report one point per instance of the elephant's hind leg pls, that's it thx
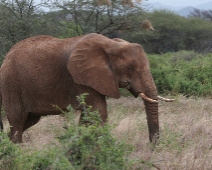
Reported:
(15, 134)
(15, 111)
(16, 126)
(17, 131)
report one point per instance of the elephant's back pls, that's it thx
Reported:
(33, 67)
(36, 55)
(31, 45)
(34, 50)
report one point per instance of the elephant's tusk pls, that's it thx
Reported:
(144, 97)
(165, 99)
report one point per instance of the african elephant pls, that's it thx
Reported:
(43, 71)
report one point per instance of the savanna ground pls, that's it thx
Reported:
(185, 139)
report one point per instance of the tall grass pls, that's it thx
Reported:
(185, 137)
(84, 146)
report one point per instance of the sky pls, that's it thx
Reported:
(179, 3)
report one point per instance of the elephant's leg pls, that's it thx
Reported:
(101, 107)
(16, 130)
(16, 121)
(31, 120)
(15, 134)
(98, 103)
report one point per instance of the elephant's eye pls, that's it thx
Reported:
(131, 67)
(130, 70)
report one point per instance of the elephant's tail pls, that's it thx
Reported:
(1, 123)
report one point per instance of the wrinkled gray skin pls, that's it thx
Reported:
(43, 71)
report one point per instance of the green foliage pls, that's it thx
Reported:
(21, 19)
(51, 158)
(8, 153)
(92, 146)
(174, 33)
(184, 72)
(89, 146)
(68, 31)
(17, 20)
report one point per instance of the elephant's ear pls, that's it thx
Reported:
(89, 64)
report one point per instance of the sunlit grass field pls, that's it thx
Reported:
(185, 133)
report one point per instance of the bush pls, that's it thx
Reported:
(89, 146)
(173, 33)
(183, 72)
(53, 158)
(8, 153)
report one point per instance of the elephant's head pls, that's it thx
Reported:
(105, 65)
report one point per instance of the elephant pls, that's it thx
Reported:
(42, 71)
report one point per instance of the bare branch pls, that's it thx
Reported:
(101, 16)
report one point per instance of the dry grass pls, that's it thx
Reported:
(186, 132)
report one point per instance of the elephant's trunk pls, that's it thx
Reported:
(152, 120)
(152, 115)
(149, 95)
(144, 86)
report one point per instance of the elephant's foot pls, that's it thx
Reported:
(15, 136)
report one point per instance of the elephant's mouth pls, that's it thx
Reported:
(148, 99)
(143, 95)
(133, 92)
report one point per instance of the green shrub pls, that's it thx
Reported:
(88, 146)
(173, 33)
(53, 158)
(184, 72)
(8, 153)
(92, 146)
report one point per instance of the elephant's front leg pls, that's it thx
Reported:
(100, 106)
(98, 103)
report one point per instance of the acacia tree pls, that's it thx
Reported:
(100, 16)
(20, 19)
(17, 20)
(174, 33)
